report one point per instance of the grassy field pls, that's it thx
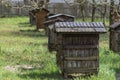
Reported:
(24, 54)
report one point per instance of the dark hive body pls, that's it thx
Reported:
(32, 16)
(41, 18)
(77, 46)
(50, 25)
(115, 37)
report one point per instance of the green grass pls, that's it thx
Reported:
(20, 44)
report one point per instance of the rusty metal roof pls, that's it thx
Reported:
(115, 25)
(80, 27)
(57, 15)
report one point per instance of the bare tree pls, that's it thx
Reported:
(81, 4)
(0, 1)
(104, 13)
(45, 2)
(111, 18)
(119, 4)
(82, 12)
(27, 2)
(111, 12)
(93, 10)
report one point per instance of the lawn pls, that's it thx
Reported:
(24, 54)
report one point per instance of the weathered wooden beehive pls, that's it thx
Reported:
(77, 46)
(32, 16)
(50, 33)
(115, 36)
(50, 24)
(41, 18)
(50, 20)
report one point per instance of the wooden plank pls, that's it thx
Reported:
(80, 52)
(82, 70)
(81, 63)
(82, 58)
(58, 39)
(79, 46)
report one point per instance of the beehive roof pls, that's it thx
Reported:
(115, 25)
(52, 21)
(57, 15)
(97, 27)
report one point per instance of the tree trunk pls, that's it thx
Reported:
(112, 12)
(101, 16)
(82, 12)
(104, 13)
(118, 7)
(45, 2)
(93, 11)
(27, 2)
(111, 18)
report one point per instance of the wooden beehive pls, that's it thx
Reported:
(77, 46)
(115, 36)
(32, 19)
(50, 33)
(49, 27)
(41, 18)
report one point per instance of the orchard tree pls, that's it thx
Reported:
(93, 10)
(111, 11)
(81, 3)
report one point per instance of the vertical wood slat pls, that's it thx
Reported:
(81, 53)
(115, 40)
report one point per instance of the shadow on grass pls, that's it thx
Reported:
(111, 60)
(36, 44)
(25, 24)
(43, 76)
(115, 63)
(116, 66)
(29, 33)
(117, 70)
(29, 30)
